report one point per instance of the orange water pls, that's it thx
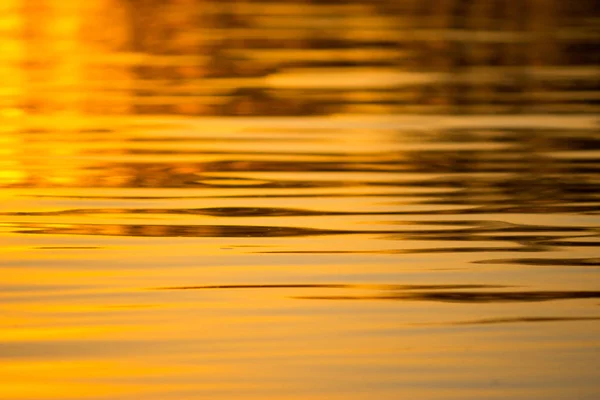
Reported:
(300, 200)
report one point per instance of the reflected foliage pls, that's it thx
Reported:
(242, 57)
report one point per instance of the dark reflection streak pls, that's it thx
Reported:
(334, 286)
(579, 262)
(445, 191)
(517, 320)
(265, 212)
(459, 235)
(220, 212)
(178, 230)
(564, 243)
(232, 196)
(238, 139)
(291, 212)
(188, 152)
(266, 231)
(524, 249)
(476, 234)
(470, 297)
(283, 286)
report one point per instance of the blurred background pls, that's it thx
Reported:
(299, 57)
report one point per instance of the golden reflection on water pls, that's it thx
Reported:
(299, 200)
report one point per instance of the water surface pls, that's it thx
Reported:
(302, 200)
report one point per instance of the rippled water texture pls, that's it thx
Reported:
(299, 200)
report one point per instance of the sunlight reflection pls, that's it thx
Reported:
(190, 188)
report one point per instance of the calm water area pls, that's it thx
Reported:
(299, 200)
